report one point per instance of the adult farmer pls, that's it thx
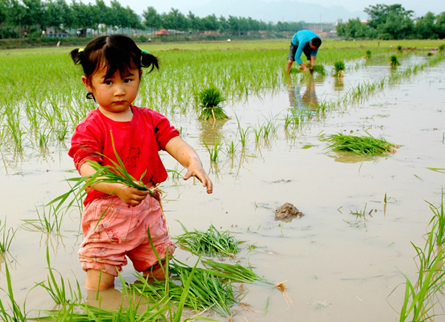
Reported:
(304, 41)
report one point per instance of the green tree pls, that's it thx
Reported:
(439, 26)
(195, 22)
(390, 21)
(175, 20)
(352, 29)
(33, 13)
(425, 28)
(210, 22)
(123, 17)
(152, 18)
(83, 16)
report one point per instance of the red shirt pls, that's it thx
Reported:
(137, 143)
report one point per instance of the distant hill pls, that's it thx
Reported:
(274, 11)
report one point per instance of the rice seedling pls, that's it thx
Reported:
(421, 297)
(442, 48)
(400, 48)
(13, 313)
(339, 68)
(361, 145)
(211, 242)
(7, 236)
(58, 291)
(231, 148)
(393, 61)
(242, 132)
(213, 152)
(47, 222)
(210, 99)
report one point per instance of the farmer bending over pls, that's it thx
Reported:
(304, 41)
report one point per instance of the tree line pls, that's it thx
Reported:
(35, 15)
(394, 22)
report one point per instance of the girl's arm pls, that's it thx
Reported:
(187, 157)
(131, 196)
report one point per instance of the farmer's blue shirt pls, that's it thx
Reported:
(302, 39)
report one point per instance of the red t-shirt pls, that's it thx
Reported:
(137, 143)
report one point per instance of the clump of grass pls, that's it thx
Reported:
(400, 48)
(210, 99)
(211, 242)
(442, 47)
(361, 145)
(394, 61)
(339, 68)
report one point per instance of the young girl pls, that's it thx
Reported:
(112, 73)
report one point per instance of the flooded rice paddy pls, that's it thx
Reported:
(336, 266)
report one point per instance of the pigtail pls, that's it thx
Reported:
(75, 55)
(148, 60)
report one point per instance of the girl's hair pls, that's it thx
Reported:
(112, 52)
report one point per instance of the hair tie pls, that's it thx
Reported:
(80, 50)
(144, 52)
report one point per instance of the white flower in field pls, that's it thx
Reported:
(229, 40)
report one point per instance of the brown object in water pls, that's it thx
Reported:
(287, 212)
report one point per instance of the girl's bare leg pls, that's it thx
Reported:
(157, 273)
(93, 278)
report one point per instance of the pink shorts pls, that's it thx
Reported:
(122, 232)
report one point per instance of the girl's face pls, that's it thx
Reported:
(114, 94)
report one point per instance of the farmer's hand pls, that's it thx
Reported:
(131, 196)
(304, 68)
(195, 170)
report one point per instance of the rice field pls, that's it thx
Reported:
(350, 256)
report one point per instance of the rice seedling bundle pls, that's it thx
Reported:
(339, 68)
(317, 69)
(211, 242)
(394, 61)
(210, 99)
(206, 290)
(362, 145)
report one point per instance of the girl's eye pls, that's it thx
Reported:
(108, 82)
(128, 80)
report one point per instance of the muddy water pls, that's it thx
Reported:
(336, 267)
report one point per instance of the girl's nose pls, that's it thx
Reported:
(120, 90)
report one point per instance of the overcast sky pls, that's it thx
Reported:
(420, 7)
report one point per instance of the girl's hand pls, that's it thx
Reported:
(195, 170)
(187, 156)
(131, 196)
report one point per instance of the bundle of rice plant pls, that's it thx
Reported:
(394, 61)
(210, 99)
(210, 242)
(339, 67)
(317, 68)
(362, 145)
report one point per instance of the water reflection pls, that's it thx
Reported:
(339, 83)
(306, 101)
(211, 130)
